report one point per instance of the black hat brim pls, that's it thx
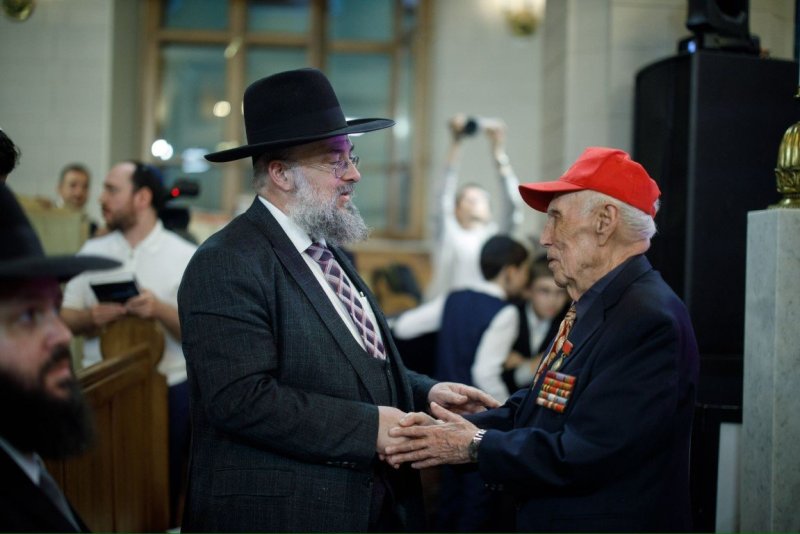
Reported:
(60, 267)
(353, 126)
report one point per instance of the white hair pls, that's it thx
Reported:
(636, 224)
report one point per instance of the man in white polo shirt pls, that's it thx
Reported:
(155, 258)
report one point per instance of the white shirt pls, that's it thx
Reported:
(493, 348)
(157, 263)
(538, 329)
(301, 240)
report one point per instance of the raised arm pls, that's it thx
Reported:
(511, 216)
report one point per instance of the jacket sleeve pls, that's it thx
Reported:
(629, 406)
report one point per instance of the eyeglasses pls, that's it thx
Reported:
(339, 168)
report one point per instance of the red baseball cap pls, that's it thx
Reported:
(606, 170)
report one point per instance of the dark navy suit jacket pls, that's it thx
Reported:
(617, 458)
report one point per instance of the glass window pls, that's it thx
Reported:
(263, 61)
(279, 16)
(195, 14)
(368, 20)
(191, 116)
(224, 45)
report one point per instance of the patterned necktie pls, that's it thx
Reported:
(53, 492)
(555, 350)
(347, 294)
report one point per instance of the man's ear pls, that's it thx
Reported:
(606, 221)
(143, 197)
(280, 175)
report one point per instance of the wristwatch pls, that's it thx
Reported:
(474, 444)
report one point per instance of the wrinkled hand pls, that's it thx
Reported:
(427, 445)
(388, 418)
(144, 305)
(461, 398)
(106, 312)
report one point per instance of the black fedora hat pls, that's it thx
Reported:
(21, 253)
(292, 108)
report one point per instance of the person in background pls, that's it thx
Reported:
(541, 311)
(73, 187)
(476, 330)
(9, 156)
(463, 218)
(294, 377)
(43, 412)
(155, 259)
(601, 441)
(73, 191)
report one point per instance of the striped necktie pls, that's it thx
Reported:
(347, 294)
(558, 344)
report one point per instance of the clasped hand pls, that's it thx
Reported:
(426, 441)
(403, 437)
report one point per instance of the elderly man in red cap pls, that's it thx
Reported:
(601, 440)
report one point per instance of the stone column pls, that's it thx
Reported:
(770, 447)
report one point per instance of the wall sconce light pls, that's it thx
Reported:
(18, 9)
(523, 16)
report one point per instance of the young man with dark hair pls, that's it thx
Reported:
(155, 258)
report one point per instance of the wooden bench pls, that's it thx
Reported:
(121, 483)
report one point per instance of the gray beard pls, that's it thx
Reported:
(322, 219)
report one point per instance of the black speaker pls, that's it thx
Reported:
(725, 17)
(707, 128)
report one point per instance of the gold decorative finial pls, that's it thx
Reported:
(18, 9)
(787, 173)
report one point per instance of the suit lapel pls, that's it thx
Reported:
(297, 268)
(590, 322)
(19, 493)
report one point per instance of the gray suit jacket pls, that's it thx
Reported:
(283, 412)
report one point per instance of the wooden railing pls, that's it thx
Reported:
(121, 484)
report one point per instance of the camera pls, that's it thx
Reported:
(471, 126)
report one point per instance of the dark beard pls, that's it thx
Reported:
(34, 421)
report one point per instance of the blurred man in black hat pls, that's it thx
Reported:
(43, 412)
(294, 378)
(9, 156)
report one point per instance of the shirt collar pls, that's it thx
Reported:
(299, 237)
(593, 293)
(490, 288)
(30, 463)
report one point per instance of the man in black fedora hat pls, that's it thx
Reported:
(43, 412)
(293, 375)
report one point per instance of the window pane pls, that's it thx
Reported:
(192, 91)
(263, 62)
(369, 20)
(362, 84)
(278, 16)
(195, 14)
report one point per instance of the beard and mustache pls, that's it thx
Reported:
(321, 218)
(32, 420)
